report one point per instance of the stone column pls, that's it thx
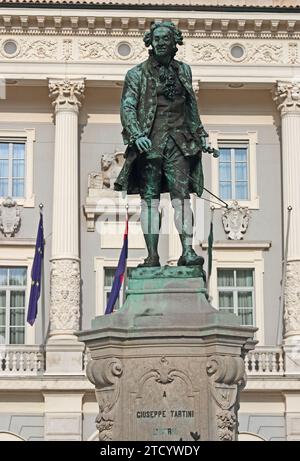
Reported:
(287, 97)
(65, 268)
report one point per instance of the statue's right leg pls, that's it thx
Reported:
(150, 221)
(150, 179)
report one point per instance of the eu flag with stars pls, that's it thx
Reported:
(119, 274)
(36, 274)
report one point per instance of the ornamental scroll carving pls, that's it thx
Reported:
(106, 49)
(39, 49)
(66, 94)
(105, 375)
(287, 96)
(10, 219)
(103, 50)
(64, 295)
(253, 53)
(292, 298)
(226, 378)
(164, 374)
(33, 49)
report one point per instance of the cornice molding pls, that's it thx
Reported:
(278, 4)
(132, 26)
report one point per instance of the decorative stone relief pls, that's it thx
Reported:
(287, 96)
(92, 45)
(39, 49)
(293, 52)
(105, 375)
(292, 298)
(107, 49)
(33, 49)
(64, 294)
(219, 52)
(67, 94)
(67, 49)
(111, 165)
(101, 188)
(226, 422)
(10, 219)
(235, 221)
(226, 378)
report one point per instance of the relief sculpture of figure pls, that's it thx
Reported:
(165, 139)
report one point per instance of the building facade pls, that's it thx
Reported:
(62, 70)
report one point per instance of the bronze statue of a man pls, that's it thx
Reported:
(165, 138)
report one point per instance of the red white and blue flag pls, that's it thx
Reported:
(119, 274)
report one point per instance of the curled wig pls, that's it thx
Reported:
(177, 34)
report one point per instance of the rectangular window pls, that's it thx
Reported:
(109, 273)
(234, 172)
(12, 304)
(12, 169)
(236, 293)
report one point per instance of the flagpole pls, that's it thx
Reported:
(41, 207)
(125, 273)
(212, 209)
(283, 281)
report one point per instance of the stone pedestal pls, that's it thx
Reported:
(167, 366)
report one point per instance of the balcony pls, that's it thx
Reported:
(16, 360)
(265, 361)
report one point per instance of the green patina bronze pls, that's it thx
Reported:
(165, 139)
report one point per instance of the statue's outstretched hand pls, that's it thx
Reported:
(143, 144)
(208, 149)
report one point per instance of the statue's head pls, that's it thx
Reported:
(164, 38)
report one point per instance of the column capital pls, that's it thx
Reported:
(287, 96)
(66, 94)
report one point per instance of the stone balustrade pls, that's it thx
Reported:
(265, 361)
(30, 360)
(21, 360)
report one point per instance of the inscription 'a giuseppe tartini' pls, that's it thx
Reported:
(165, 414)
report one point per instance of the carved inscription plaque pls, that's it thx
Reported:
(165, 406)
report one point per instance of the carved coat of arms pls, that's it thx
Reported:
(235, 220)
(9, 217)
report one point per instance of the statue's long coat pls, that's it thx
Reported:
(138, 108)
